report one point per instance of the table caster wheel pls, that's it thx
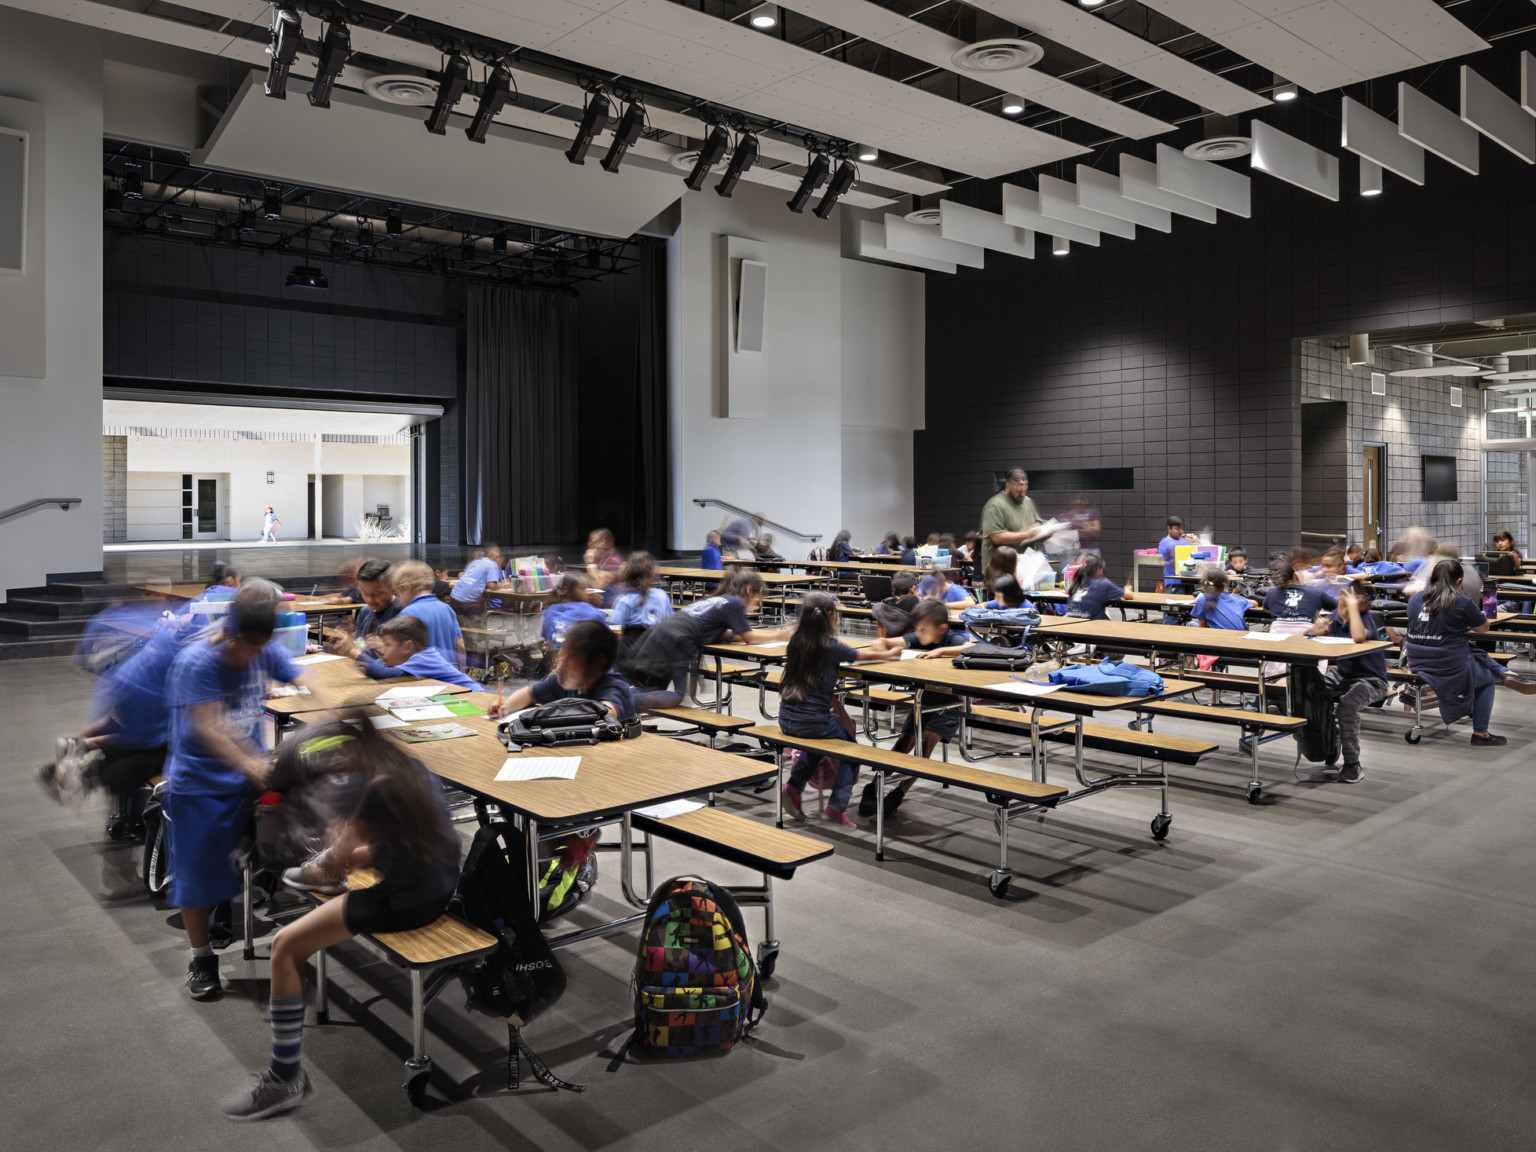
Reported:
(767, 958)
(416, 1085)
(998, 882)
(1134, 725)
(1160, 825)
(1413, 737)
(1255, 793)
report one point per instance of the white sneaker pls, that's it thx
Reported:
(267, 1096)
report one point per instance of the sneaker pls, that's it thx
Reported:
(221, 926)
(267, 1096)
(867, 799)
(308, 877)
(69, 754)
(48, 780)
(1351, 774)
(792, 803)
(838, 816)
(893, 800)
(203, 977)
(1488, 741)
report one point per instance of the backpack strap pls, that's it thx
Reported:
(517, 1046)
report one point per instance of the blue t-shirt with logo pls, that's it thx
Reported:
(631, 610)
(1089, 603)
(1226, 611)
(472, 581)
(199, 675)
(559, 618)
(442, 622)
(1299, 602)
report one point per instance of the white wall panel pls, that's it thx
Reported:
(908, 239)
(1100, 192)
(1295, 161)
(872, 247)
(1496, 116)
(1203, 181)
(1058, 201)
(1021, 208)
(1377, 139)
(987, 229)
(1436, 128)
(1138, 182)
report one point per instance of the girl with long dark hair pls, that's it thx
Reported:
(1091, 592)
(811, 668)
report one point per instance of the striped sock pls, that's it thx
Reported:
(287, 1035)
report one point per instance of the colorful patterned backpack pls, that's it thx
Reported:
(696, 985)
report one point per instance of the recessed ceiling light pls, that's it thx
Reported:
(764, 16)
(1060, 246)
(1284, 93)
(1440, 370)
(1090, 3)
(1012, 107)
(1370, 177)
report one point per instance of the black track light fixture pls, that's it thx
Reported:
(625, 135)
(816, 173)
(245, 222)
(493, 98)
(741, 162)
(394, 224)
(451, 86)
(467, 249)
(715, 146)
(112, 198)
(272, 204)
(334, 51)
(499, 243)
(593, 121)
(594, 256)
(364, 235)
(842, 180)
(133, 184)
(287, 39)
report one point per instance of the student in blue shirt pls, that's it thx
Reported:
(585, 670)
(1215, 607)
(1363, 679)
(572, 608)
(1165, 549)
(711, 557)
(412, 582)
(215, 759)
(812, 664)
(937, 585)
(379, 604)
(890, 546)
(482, 571)
(404, 651)
(1291, 603)
(1091, 592)
(909, 552)
(643, 605)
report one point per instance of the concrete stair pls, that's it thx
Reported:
(49, 621)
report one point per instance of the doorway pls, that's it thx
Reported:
(205, 507)
(1373, 492)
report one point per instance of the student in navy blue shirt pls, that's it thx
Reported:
(482, 571)
(711, 557)
(812, 664)
(1363, 679)
(379, 603)
(214, 765)
(1215, 607)
(412, 582)
(404, 651)
(571, 608)
(585, 670)
(1091, 592)
(909, 552)
(939, 587)
(1165, 548)
(1290, 602)
(890, 546)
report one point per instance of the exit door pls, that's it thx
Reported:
(205, 507)
(1372, 481)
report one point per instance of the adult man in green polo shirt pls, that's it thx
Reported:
(1009, 518)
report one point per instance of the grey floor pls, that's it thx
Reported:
(1345, 967)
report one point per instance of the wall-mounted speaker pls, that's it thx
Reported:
(13, 200)
(750, 298)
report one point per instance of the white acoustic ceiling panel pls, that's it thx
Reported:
(1138, 182)
(906, 238)
(1496, 116)
(1436, 128)
(1528, 82)
(1100, 192)
(1021, 208)
(872, 246)
(362, 146)
(1093, 36)
(1324, 44)
(1058, 201)
(882, 26)
(970, 225)
(1295, 161)
(1203, 181)
(1377, 139)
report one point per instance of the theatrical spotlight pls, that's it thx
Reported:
(594, 256)
(842, 180)
(816, 173)
(498, 90)
(394, 224)
(133, 184)
(334, 50)
(741, 161)
(450, 90)
(624, 135)
(287, 39)
(593, 121)
(712, 153)
(272, 204)
(364, 235)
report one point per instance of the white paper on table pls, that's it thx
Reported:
(289, 690)
(429, 712)
(1333, 640)
(317, 658)
(909, 654)
(668, 810)
(1276, 636)
(540, 768)
(384, 698)
(772, 644)
(1020, 688)
(388, 721)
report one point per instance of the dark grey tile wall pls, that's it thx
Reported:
(1172, 354)
(1325, 468)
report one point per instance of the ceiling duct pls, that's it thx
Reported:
(989, 57)
(402, 89)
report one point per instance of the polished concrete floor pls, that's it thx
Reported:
(1344, 967)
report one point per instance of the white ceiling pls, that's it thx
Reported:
(231, 418)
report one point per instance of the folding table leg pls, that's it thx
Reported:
(322, 990)
(249, 951)
(418, 1069)
(880, 813)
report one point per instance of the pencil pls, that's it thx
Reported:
(500, 684)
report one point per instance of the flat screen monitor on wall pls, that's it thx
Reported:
(1439, 479)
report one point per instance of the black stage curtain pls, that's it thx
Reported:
(651, 481)
(519, 417)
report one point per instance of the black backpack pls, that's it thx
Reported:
(566, 722)
(1312, 697)
(521, 979)
(995, 658)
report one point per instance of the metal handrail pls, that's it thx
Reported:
(754, 516)
(63, 502)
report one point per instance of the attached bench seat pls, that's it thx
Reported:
(774, 852)
(1149, 745)
(1211, 714)
(436, 949)
(702, 720)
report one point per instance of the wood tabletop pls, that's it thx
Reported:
(944, 675)
(192, 591)
(613, 778)
(1220, 641)
(337, 684)
(775, 653)
(878, 567)
(691, 573)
